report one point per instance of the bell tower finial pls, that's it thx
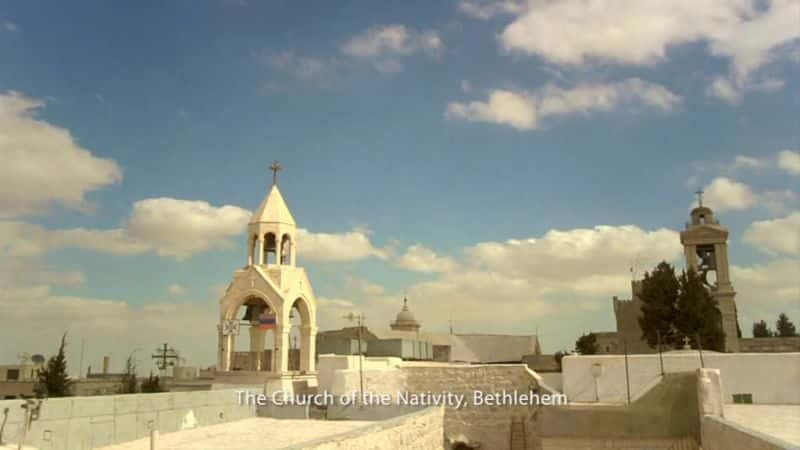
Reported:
(699, 194)
(275, 168)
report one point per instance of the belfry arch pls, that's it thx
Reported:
(269, 307)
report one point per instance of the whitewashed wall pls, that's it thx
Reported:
(770, 377)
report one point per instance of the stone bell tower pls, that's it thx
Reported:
(705, 245)
(271, 301)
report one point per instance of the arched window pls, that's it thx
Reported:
(270, 255)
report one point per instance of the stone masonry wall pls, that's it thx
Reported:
(88, 422)
(423, 430)
(488, 425)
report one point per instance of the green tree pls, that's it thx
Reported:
(785, 326)
(659, 295)
(152, 384)
(128, 383)
(53, 379)
(761, 330)
(697, 313)
(586, 344)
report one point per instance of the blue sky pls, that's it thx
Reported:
(415, 125)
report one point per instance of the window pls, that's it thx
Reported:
(12, 374)
(743, 398)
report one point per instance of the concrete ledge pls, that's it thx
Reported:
(720, 434)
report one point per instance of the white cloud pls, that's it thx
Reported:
(789, 161)
(350, 246)
(181, 228)
(514, 109)
(765, 290)
(725, 194)
(302, 67)
(747, 33)
(523, 110)
(110, 327)
(724, 89)
(419, 258)
(485, 10)
(7, 25)
(385, 45)
(42, 163)
(176, 290)
(777, 235)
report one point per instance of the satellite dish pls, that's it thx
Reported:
(37, 359)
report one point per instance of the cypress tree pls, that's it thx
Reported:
(53, 380)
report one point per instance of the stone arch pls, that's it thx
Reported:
(303, 331)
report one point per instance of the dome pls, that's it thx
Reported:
(405, 319)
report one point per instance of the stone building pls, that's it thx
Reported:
(405, 340)
(272, 299)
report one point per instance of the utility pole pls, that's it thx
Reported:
(359, 319)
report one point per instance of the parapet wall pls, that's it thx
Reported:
(88, 422)
(423, 430)
(488, 425)
(771, 378)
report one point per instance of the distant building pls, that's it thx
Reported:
(405, 340)
(18, 380)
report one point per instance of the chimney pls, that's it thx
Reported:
(106, 363)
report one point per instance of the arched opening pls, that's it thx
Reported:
(255, 350)
(301, 337)
(270, 249)
(286, 250)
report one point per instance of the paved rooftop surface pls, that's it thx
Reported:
(780, 421)
(252, 434)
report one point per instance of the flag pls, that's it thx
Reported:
(266, 321)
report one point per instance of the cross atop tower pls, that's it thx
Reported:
(275, 168)
(699, 194)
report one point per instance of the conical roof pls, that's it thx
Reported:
(273, 209)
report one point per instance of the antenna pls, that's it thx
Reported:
(634, 269)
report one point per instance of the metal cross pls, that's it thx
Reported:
(686, 342)
(275, 168)
(699, 198)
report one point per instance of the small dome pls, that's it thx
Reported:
(405, 319)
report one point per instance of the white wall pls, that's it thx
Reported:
(769, 377)
(88, 422)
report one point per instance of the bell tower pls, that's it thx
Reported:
(270, 300)
(272, 231)
(705, 246)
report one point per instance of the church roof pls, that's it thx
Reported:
(273, 209)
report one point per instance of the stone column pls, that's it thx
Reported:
(259, 251)
(226, 346)
(257, 344)
(690, 252)
(308, 345)
(282, 350)
(278, 249)
(250, 244)
(723, 275)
